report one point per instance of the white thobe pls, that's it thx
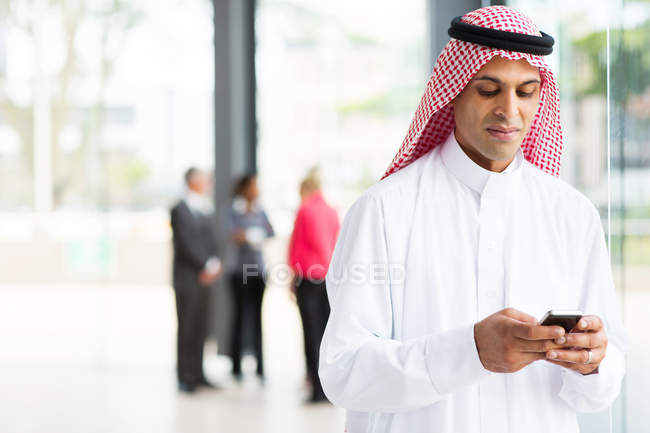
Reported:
(436, 247)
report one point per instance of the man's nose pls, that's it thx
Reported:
(507, 107)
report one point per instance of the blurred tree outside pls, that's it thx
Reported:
(55, 32)
(631, 84)
(630, 110)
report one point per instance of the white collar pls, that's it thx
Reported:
(240, 205)
(473, 175)
(197, 202)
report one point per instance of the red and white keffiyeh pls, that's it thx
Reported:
(456, 66)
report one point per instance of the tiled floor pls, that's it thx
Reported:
(138, 399)
(93, 360)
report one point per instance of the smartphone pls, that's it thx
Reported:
(568, 319)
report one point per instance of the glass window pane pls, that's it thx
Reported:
(604, 72)
(338, 82)
(101, 106)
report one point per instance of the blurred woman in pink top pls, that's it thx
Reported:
(310, 250)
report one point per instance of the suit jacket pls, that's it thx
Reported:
(195, 241)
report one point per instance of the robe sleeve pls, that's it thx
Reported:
(362, 368)
(590, 393)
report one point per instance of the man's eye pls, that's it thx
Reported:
(525, 94)
(487, 93)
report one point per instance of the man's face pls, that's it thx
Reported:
(495, 110)
(201, 182)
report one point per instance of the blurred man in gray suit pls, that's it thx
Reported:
(196, 267)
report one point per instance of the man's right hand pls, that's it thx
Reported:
(509, 340)
(207, 277)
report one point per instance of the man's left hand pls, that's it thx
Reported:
(588, 334)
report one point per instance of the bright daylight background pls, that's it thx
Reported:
(104, 104)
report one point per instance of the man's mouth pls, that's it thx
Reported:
(501, 133)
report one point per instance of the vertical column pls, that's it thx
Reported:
(234, 84)
(235, 128)
(440, 13)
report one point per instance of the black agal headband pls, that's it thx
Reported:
(540, 45)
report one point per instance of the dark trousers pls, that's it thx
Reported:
(248, 299)
(314, 307)
(192, 309)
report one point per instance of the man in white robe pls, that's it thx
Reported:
(442, 270)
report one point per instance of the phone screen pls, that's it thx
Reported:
(567, 321)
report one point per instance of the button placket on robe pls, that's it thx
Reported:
(490, 265)
(491, 285)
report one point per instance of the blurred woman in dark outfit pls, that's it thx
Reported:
(248, 227)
